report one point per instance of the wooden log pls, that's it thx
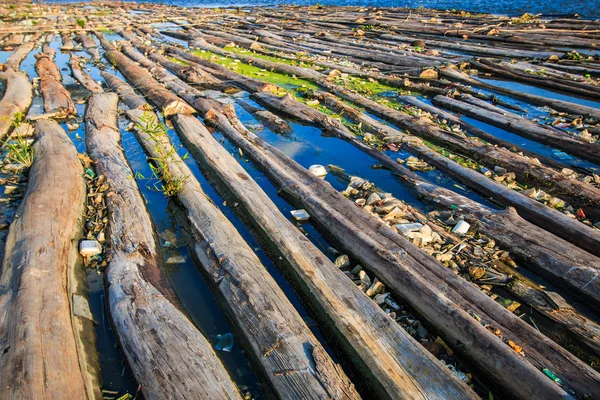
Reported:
(330, 292)
(125, 92)
(275, 123)
(67, 42)
(151, 328)
(89, 44)
(39, 350)
(56, 97)
(543, 216)
(575, 192)
(17, 56)
(559, 105)
(524, 127)
(365, 240)
(18, 95)
(578, 89)
(284, 350)
(452, 118)
(81, 77)
(162, 98)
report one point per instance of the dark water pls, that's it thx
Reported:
(588, 9)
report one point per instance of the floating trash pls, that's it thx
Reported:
(224, 342)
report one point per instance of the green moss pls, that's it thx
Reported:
(280, 60)
(178, 61)
(285, 81)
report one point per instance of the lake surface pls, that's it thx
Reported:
(584, 8)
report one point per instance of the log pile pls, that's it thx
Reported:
(490, 126)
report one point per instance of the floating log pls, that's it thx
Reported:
(125, 92)
(39, 344)
(143, 81)
(524, 127)
(389, 352)
(558, 105)
(16, 58)
(56, 97)
(81, 77)
(18, 95)
(275, 336)
(396, 263)
(140, 298)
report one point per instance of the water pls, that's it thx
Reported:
(584, 8)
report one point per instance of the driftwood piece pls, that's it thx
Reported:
(151, 328)
(18, 95)
(14, 60)
(39, 351)
(284, 350)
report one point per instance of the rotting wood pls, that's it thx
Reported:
(39, 353)
(524, 127)
(151, 327)
(168, 103)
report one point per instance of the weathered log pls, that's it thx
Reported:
(81, 77)
(140, 298)
(17, 56)
(56, 97)
(67, 42)
(39, 343)
(125, 92)
(275, 123)
(89, 44)
(414, 101)
(284, 350)
(18, 95)
(578, 89)
(386, 358)
(524, 127)
(143, 81)
(396, 264)
(559, 105)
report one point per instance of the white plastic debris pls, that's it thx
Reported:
(461, 227)
(89, 248)
(300, 215)
(318, 170)
(409, 230)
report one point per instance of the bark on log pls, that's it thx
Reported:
(18, 95)
(287, 354)
(39, 351)
(375, 341)
(151, 328)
